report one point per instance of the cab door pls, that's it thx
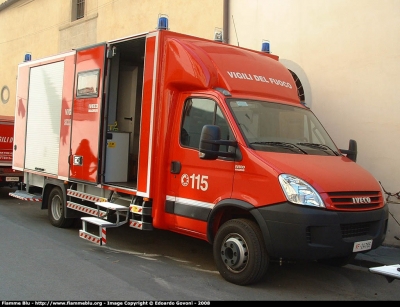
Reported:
(86, 114)
(196, 185)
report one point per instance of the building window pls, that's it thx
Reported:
(78, 9)
(300, 89)
(5, 94)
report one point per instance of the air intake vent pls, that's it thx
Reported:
(354, 230)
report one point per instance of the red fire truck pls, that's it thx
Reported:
(8, 176)
(163, 130)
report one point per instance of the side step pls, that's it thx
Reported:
(25, 195)
(86, 209)
(141, 214)
(85, 196)
(103, 224)
(98, 239)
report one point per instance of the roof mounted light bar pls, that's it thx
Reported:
(223, 91)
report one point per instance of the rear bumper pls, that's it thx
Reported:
(301, 232)
(10, 178)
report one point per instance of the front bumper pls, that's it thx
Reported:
(305, 233)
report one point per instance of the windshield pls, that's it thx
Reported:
(277, 127)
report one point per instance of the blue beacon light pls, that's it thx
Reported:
(27, 57)
(162, 22)
(265, 47)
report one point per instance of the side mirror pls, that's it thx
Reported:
(351, 153)
(210, 140)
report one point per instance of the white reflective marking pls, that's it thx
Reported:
(190, 202)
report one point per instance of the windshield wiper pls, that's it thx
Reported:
(319, 146)
(281, 144)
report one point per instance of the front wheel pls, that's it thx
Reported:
(56, 209)
(239, 252)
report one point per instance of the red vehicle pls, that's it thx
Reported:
(209, 140)
(8, 176)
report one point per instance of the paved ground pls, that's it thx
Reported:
(383, 255)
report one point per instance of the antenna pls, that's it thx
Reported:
(235, 30)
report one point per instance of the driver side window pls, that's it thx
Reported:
(198, 112)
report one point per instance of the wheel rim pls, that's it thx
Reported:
(234, 253)
(56, 207)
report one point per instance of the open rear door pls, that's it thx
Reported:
(86, 114)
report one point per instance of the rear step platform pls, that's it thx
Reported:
(25, 195)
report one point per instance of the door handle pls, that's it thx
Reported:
(176, 167)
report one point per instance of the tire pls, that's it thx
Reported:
(56, 209)
(239, 252)
(338, 261)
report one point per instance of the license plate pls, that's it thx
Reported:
(362, 246)
(12, 178)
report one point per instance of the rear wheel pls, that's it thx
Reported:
(56, 209)
(239, 252)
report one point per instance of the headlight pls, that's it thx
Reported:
(300, 192)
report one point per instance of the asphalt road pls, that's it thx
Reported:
(42, 262)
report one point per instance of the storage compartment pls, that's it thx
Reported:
(117, 157)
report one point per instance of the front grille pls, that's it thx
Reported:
(355, 230)
(350, 201)
(308, 235)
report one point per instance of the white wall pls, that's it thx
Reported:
(349, 55)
